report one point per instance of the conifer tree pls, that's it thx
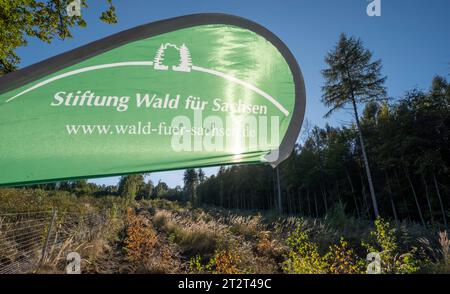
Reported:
(353, 78)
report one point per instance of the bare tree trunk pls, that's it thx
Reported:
(427, 195)
(269, 200)
(394, 211)
(444, 217)
(315, 203)
(322, 189)
(274, 200)
(363, 192)
(337, 192)
(221, 193)
(309, 202)
(324, 197)
(404, 198)
(288, 200)
(292, 200)
(299, 201)
(353, 193)
(366, 161)
(415, 198)
(280, 207)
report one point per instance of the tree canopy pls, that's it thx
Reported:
(45, 20)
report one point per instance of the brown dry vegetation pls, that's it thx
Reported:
(159, 236)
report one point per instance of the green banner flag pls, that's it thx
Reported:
(193, 91)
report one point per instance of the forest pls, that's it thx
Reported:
(380, 183)
(406, 144)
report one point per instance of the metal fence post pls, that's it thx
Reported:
(44, 249)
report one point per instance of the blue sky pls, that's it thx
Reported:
(412, 37)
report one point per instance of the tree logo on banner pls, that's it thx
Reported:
(185, 58)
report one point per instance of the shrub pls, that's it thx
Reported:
(165, 204)
(195, 265)
(341, 259)
(141, 237)
(222, 262)
(264, 244)
(384, 241)
(338, 218)
(303, 257)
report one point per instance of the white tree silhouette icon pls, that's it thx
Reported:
(159, 58)
(185, 58)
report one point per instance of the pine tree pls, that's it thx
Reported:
(353, 78)
(185, 60)
(201, 176)
(159, 58)
(190, 184)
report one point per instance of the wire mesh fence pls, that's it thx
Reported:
(30, 239)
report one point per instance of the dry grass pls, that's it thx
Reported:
(445, 246)
(159, 236)
(219, 244)
(249, 227)
(193, 237)
(146, 250)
